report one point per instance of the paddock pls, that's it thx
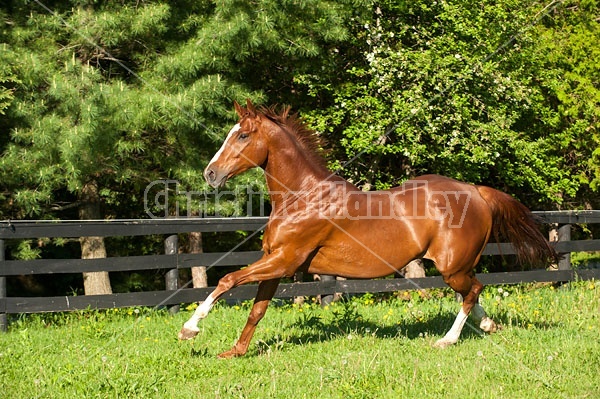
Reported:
(377, 344)
(363, 347)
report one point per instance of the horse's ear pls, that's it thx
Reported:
(250, 107)
(239, 109)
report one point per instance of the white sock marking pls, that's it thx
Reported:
(454, 332)
(200, 313)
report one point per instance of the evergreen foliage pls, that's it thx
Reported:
(124, 93)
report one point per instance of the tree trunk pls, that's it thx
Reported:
(94, 283)
(199, 279)
(414, 269)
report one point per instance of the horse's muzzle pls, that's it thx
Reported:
(215, 177)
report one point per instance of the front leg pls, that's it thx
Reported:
(190, 328)
(266, 290)
(270, 267)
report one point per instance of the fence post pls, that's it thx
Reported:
(564, 234)
(3, 318)
(327, 299)
(298, 278)
(172, 276)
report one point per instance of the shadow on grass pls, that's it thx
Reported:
(523, 320)
(313, 329)
(200, 353)
(310, 328)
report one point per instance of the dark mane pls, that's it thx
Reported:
(307, 137)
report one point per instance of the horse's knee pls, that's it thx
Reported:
(256, 315)
(258, 311)
(226, 282)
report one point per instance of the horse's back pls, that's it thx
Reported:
(436, 182)
(437, 197)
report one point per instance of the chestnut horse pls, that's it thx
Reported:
(321, 223)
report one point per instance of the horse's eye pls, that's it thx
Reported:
(243, 136)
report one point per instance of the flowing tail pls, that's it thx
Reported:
(512, 221)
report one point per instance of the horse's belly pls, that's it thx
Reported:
(358, 262)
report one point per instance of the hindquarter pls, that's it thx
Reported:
(463, 229)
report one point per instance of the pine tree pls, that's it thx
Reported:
(111, 96)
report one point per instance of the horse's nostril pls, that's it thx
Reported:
(209, 175)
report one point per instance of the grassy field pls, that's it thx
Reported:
(360, 348)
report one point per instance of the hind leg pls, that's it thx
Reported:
(470, 288)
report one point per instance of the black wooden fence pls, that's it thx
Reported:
(173, 260)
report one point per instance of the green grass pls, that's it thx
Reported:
(362, 348)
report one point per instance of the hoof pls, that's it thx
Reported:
(229, 354)
(487, 325)
(442, 343)
(187, 333)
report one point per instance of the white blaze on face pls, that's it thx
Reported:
(229, 135)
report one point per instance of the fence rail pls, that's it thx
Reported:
(111, 228)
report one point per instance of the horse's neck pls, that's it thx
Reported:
(289, 169)
(286, 174)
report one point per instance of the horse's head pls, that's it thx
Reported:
(243, 149)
